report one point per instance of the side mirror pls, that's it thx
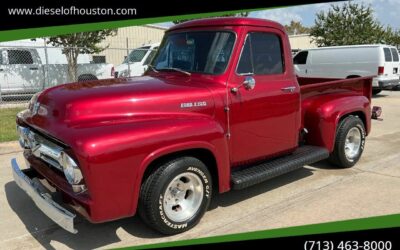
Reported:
(249, 83)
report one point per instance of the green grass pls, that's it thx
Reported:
(7, 124)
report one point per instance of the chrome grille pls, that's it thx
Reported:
(41, 147)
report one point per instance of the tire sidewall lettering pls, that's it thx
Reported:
(203, 177)
(362, 130)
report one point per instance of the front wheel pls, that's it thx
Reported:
(176, 195)
(349, 142)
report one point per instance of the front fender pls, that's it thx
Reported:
(322, 115)
(212, 139)
(116, 160)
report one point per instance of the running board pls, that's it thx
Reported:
(248, 176)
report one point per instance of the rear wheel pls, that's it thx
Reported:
(176, 195)
(376, 91)
(349, 142)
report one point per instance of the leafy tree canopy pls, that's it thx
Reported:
(350, 24)
(240, 14)
(296, 28)
(80, 43)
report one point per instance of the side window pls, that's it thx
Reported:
(267, 54)
(99, 59)
(1, 57)
(150, 56)
(395, 55)
(137, 54)
(261, 55)
(301, 58)
(388, 54)
(19, 57)
(245, 65)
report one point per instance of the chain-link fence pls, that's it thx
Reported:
(25, 70)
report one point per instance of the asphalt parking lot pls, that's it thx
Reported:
(314, 194)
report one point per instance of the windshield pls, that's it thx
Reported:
(206, 52)
(137, 55)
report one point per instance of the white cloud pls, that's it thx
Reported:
(282, 16)
(387, 12)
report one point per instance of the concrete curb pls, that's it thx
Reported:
(9, 147)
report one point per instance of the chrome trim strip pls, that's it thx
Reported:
(43, 201)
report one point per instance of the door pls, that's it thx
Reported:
(300, 63)
(264, 119)
(24, 72)
(391, 62)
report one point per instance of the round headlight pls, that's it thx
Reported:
(71, 170)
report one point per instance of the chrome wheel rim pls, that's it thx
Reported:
(353, 143)
(183, 197)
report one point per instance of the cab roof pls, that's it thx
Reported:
(228, 21)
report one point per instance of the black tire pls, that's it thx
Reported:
(154, 189)
(376, 91)
(338, 156)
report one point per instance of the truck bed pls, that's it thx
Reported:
(310, 87)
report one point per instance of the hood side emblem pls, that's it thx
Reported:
(193, 104)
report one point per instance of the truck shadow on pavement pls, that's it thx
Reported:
(100, 235)
(326, 165)
(89, 236)
(378, 96)
(235, 196)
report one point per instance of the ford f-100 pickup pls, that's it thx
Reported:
(219, 108)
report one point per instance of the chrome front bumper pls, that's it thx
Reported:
(43, 200)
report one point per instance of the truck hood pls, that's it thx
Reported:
(120, 100)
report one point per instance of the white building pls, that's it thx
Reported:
(302, 41)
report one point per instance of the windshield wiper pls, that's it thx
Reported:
(152, 68)
(177, 70)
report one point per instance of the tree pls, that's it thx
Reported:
(295, 28)
(240, 14)
(392, 37)
(80, 43)
(348, 24)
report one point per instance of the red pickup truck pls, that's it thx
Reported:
(220, 108)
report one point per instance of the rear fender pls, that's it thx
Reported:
(323, 114)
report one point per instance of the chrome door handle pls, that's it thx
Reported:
(289, 89)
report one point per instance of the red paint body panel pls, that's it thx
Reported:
(264, 120)
(116, 128)
(325, 101)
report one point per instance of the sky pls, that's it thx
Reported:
(387, 12)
